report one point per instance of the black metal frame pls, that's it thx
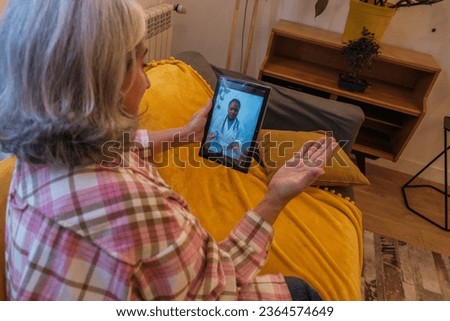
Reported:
(445, 227)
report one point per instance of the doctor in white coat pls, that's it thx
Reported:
(225, 138)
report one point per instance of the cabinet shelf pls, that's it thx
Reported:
(381, 122)
(309, 59)
(326, 79)
(374, 143)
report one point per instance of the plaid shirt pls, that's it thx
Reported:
(120, 233)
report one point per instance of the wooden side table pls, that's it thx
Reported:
(445, 225)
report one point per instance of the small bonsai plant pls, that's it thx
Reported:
(359, 54)
(321, 5)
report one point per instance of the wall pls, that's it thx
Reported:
(206, 28)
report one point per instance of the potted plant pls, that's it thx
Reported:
(321, 5)
(359, 55)
(375, 15)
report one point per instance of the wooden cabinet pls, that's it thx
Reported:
(310, 60)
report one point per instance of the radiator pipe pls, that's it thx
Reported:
(179, 8)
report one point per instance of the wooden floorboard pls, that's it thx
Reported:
(384, 210)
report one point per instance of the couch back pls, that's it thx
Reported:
(6, 171)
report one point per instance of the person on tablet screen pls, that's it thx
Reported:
(80, 226)
(226, 135)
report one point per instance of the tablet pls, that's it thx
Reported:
(234, 122)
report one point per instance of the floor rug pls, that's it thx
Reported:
(397, 271)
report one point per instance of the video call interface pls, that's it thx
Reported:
(232, 127)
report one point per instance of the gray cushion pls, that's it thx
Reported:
(200, 64)
(294, 110)
(290, 109)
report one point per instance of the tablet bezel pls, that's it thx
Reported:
(244, 162)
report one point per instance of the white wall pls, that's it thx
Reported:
(206, 28)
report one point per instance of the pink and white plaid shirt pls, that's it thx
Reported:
(120, 233)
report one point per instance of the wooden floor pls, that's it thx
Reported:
(384, 210)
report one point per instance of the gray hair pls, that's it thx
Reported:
(62, 66)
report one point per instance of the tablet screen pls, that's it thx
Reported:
(234, 122)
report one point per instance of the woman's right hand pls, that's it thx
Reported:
(295, 176)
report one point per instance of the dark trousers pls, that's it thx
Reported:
(300, 290)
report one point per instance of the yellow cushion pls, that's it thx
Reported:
(277, 146)
(317, 236)
(177, 91)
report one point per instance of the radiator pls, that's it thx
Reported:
(159, 31)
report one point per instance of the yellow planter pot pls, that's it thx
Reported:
(374, 18)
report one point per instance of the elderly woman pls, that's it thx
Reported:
(82, 228)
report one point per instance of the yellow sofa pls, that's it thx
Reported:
(318, 236)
